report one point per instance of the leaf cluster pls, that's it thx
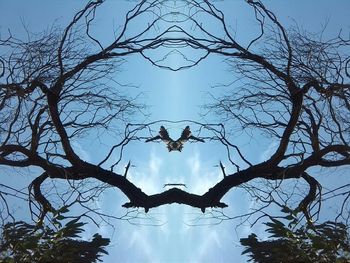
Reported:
(27, 243)
(325, 242)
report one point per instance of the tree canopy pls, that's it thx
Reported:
(23, 242)
(325, 242)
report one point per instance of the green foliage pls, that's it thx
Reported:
(23, 242)
(326, 242)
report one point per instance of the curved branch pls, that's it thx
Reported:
(52, 100)
(212, 198)
(39, 197)
(310, 197)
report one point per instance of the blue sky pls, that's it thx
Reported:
(174, 96)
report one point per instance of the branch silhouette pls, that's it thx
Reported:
(56, 88)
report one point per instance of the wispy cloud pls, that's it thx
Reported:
(140, 241)
(83, 154)
(148, 176)
(202, 177)
(175, 241)
(269, 151)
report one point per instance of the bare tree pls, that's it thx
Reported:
(293, 87)
(58, 86)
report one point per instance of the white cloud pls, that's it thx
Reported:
(141, 240)
(175, 241)
(209, 243)
(194, 164)
(201, 178)
(147, 178)
(269, 151)
(82, 153)
(154, 164)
